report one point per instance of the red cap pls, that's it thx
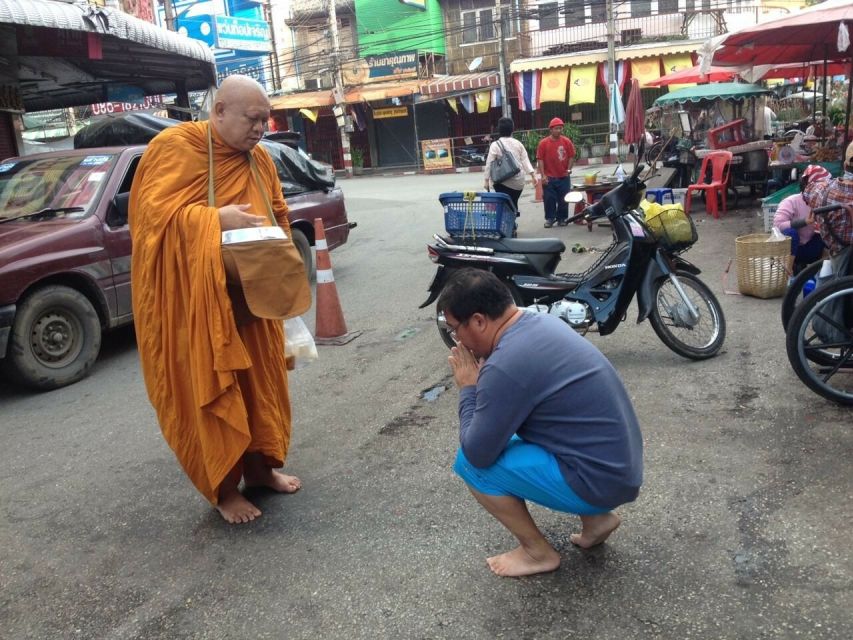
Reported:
(555, 122)
(816, 172)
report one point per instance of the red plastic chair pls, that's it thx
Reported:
(719, 163)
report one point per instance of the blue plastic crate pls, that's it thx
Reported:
(490, 215)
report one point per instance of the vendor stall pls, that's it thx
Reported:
(725, 115)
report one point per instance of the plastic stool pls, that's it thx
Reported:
(660, 194)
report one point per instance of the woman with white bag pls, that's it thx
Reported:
(514, 185)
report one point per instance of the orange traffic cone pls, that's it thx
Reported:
(330, 327)
(537, 196)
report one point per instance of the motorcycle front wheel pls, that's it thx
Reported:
(444, 332)
(696, 340)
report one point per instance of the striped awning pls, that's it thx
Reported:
(591, 57)
(461, 83)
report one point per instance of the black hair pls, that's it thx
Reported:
(470, 291)
(804, 182)
(505, 128)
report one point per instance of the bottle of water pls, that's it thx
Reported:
(620, 173)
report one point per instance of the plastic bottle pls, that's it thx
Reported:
(809, 286)
(620, 173)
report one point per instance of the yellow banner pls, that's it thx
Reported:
(484, 101)
(311, 114)
(436, 153)
(645, 70)
(451, 102)
(582, 86)
(678, 62)
(390, 112)
(554, 83)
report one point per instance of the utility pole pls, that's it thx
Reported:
(505, 108)
(611, 73)
(169, 10)
(340, 106)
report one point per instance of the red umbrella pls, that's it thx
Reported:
(753, 74)
(806, 36)
(686, 76)
(635, 125)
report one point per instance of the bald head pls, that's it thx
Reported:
(240, 112)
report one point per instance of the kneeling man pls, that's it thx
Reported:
(543, 417)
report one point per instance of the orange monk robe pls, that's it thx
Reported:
(219, 391)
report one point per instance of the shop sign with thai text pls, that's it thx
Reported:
(400, 64)
(390, 112)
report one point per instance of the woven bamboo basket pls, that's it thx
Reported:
(761, 265)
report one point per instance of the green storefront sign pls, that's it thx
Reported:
(389, 26)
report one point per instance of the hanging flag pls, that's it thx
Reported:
(582, 85)
(621, 76)
(451, 102)
(497, 98)
(616, 108)
(645, 70)
(554, 82)
(484, 99)
(678, 62)
(528, 85)
(310, 114)
(359, 116)
(468, 102)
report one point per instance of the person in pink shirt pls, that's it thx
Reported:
(795, 219)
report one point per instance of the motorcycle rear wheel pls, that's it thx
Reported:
(442, 327)
(697, 342)
(824, 367)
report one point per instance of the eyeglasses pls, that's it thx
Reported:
(453, 330)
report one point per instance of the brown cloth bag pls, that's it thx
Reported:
(265, 278)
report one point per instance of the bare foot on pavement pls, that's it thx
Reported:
(236, 509)
(275, 480)
(596, 529)
(519, 562)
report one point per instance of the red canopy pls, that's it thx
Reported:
(693, 74)
(753, 74)
(806, 36)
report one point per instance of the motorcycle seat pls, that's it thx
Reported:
(516, 245)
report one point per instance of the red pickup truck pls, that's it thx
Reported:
(65, 255)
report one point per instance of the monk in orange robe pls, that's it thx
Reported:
(220, 390)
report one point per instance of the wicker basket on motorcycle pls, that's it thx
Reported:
(673, 228)
(472, 214)
(761, 265)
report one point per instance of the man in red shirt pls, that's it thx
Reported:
(554, 158)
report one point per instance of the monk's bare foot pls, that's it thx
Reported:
(235, 508)
(519, 562)
(275, 480)
(596, 529)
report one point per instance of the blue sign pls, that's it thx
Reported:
(242, 34)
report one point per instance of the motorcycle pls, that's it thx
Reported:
(643, 261)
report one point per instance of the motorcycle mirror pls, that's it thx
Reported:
(573, 197)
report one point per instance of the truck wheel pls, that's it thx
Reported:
(304, 248)
(55, 339)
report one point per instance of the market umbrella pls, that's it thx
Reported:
(635, 126)
(819, 32)
(813, 34)
(748, 73)
(695, 74)
(711, 92)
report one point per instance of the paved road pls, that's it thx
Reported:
(741, 530)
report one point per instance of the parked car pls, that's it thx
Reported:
(65, 253)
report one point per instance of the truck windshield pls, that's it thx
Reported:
(65, 184)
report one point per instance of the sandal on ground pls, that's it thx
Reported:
(562, 223)
(549, 224)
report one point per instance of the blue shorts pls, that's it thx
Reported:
(528, 472)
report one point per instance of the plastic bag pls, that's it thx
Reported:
(777, 236)
(299, 347)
